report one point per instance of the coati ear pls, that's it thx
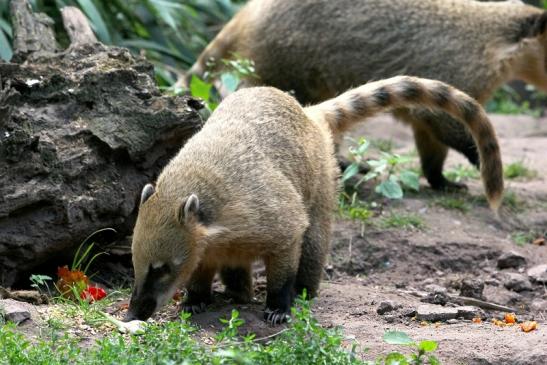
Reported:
(532, 26)
(188, 209)
(147, 192)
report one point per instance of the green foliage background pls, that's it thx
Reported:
(171, 33)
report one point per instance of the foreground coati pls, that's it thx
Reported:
(259, 182)
(319, 48)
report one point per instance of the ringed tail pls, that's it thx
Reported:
(351, 107)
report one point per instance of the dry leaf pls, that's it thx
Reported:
(477, 320)
(498, 323)
(529, 326)
(539, 241)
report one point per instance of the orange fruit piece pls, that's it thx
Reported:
(477, 320)
(529, 326)
(510, 318)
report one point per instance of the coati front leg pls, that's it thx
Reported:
(281, 269)
(199, 290)
(239, 283)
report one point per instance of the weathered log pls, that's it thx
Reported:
(81, 131)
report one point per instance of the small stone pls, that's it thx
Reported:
(539, 305)
(511, 260)
(472, 288)
(517, 282)
(14, 311)
(470, 312)
(434, 313)
(538, 274)
(387, 306)
(437, 295)
(492, 282)
(452, 321)
(408, 312)
(390, 318)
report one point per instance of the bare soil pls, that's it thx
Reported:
(370, 264)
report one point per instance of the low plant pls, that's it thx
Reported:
(453, 203)
(507, 101)
(516, 170)
(523, 238)
(461, 173)
(391, 170)
(423, 351)
(350, 206)
(405, 220)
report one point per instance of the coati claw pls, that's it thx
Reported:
(275, 317)
(194, 308)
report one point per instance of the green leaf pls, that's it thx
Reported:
(350, 171)
(433, 360)
(200, 89)
(97, 22)
(153, 46)
(390, 189)
(230, 81)
(5, 47)
(397, 338)
(395, 358)
(427, 346)
(410, 179)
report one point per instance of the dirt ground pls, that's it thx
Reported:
(370, 264)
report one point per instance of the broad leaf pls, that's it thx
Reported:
(395, 358)
(230, 81)
(350, 171)
(427, 346)
(410, 179)
(200, 89)
(397, 338)
(97, 22)
(390, 189)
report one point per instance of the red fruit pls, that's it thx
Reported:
(93, 293)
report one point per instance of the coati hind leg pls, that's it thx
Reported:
(239, 284)
(199, 290)
(314, 253)
(281, 269)
(432, 151)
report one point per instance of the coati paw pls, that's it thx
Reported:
(275, 317)
(193, 308)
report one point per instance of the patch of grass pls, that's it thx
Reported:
(523, 238)
(510, 201)
(453, 203)
(405, 221)
(304, 341)
(518, 170)
(461, 173)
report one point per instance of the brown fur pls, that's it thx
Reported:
(259, 182)
(319, 48)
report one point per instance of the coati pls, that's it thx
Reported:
(319, 48)
(259, 182)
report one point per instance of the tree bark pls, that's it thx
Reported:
(81, 132)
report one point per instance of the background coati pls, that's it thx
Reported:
(319, 48)
(259, 182)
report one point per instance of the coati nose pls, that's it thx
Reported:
(140, 309)
(130, 316)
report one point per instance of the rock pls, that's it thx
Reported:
(14, 311)
(511, 260)
(434, 313)
(539, 305)
(437, 295)
(387, 306)
(452, 321)
(470, 312)
(538, 274)
(408, 312)
(517, 282)
(390, 318)
(472, 287)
